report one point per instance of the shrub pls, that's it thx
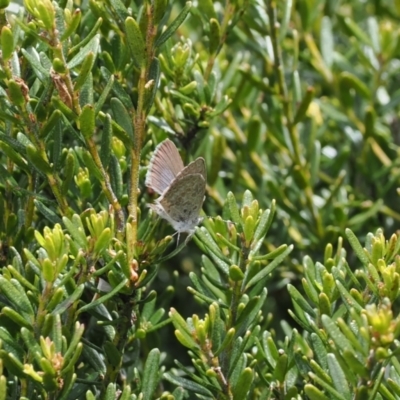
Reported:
(294, 106)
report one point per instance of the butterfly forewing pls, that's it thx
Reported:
(165, 164)
(197, 166)
(183, 200)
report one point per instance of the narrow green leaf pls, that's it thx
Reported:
(32, 344)
(105, 146)
(265, 271)
(91, 166)
(92, 46)
(3, 388)
(317, 394)
(238, 367)
(181, 326)
(69, 379)
(203, 297)
(120, 9)
(303, 106)
(349, 80)
(21, 279)
(362, 217)
(126, 394)
(229, 336)
(394, 386)
(233, 209)
(17, 317)
(214, 36)
(14, 143)
(118, 89)
(14, 156)
(104, 93)
(281, 368)
(315, 162)
(319, 351)
(33, 58)
(179, 393)
(77, 230)
(237, 352)
(286, 12)
(74, 341)
(47, 212)
(235, 273)
(12, 364)
(271, 255)
(188, 385)
(334, 332)
(201, 287)
(15, 293)
(221, 106)
(122, 117)
(160, 6)
(37, 160)
(338, 376)
(7, 43)
(300, 300)
(355, 364)
(67, 303)
(199, 79)
(56, 332)
(174, 25)
(86, 68)
(243, 384)
(347, 298)
(15, 93)
(10, 345)
(253, 130)
(56, 298)
(250, 312)
(135, 41)
(355, 30)
(104, 298)
(154, 76)
(310, 291)
(110, 392)
(116, 177)
(86, 94)
(95, 359)
(57, 145)
(69, 172)
(73, 25)
(355, 244)
(248, 228)
(206, 7)
(269, 349)
(327, 41)
(203, 234)
(87, 121)
(87, 38)
(150, 374)
(113, 355)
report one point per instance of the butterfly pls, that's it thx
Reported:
(181, 188)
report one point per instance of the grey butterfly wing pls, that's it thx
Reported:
(165, 164)
(183, 200)
(198, 166)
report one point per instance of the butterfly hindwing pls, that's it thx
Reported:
(183, 200)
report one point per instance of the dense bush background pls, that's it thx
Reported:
(295, 102)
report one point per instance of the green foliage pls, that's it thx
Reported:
(294, 106)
